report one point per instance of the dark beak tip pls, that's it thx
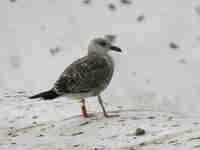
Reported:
(115, 48)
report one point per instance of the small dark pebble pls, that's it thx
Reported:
(84, 123)
(173, 45)
(41, 135)
(77, 145)
(111, 6)
(135, 118)
(13, 143)
(151, 117)
(197, 9)
(34, 117)
(12, 1)
(182, 61)
(173, 141)
(128, 2)
(170, 118)
(53, 125)
(142, 144)
(34, 122)
(197, 146)
(78, 133)
(86, 1)
(195, 123)
(55, 50)
(140, 18)
(139, 132)
(176, 125)
(43, 27)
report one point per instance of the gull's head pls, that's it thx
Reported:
(101, 46)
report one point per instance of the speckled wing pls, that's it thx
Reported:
(85, 75)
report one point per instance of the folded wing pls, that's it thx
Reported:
(85, 75)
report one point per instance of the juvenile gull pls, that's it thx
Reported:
(86, 77)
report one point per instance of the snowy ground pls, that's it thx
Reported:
(157, 75)
(41, 125)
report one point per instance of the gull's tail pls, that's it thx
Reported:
(48, 95)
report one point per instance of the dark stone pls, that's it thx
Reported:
(139, 132)
(127, 2)
(12, 1)
(140, 18)
(86, 1)
(112, 7)
(173, 45)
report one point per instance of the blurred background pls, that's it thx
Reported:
(159, 66)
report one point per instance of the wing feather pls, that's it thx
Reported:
(84, 75)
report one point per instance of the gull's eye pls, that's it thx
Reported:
(102, 43)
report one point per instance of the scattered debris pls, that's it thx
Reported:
(176, 125)
(197, 146)
(84, 123)
(196, 123)
(158, 142)
(55, 50)
(86, 2)
(12, 1)
(53, 125)
(173, 45)
(34, 122)
(40, 135)
(182, 61)
(112, 7)
(43, 27)
(135, 118)
(170, 118)
(13, 143)
(134, 74)
(15, 61)
(151, 117)
(142, 144)
(12, 134)
(78, 133)
(148, 81)
(34, 117)
(127, 2)
(112, 137)
(195, 138)
(139, 132)
(120, 107)
(77, 145)
(140, 18)
(174, 142)
(197, 9)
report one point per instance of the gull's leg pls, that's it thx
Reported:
(103, 108)
(83, 108)
(101, 103)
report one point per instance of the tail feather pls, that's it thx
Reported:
(48, 95)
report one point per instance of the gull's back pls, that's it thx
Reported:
(86, 77)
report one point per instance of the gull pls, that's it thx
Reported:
(86, 77)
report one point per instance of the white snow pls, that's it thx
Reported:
(149, 74)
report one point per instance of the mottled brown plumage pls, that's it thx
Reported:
(90, 74)
(86, 77)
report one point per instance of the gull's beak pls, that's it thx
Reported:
(115, 48)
